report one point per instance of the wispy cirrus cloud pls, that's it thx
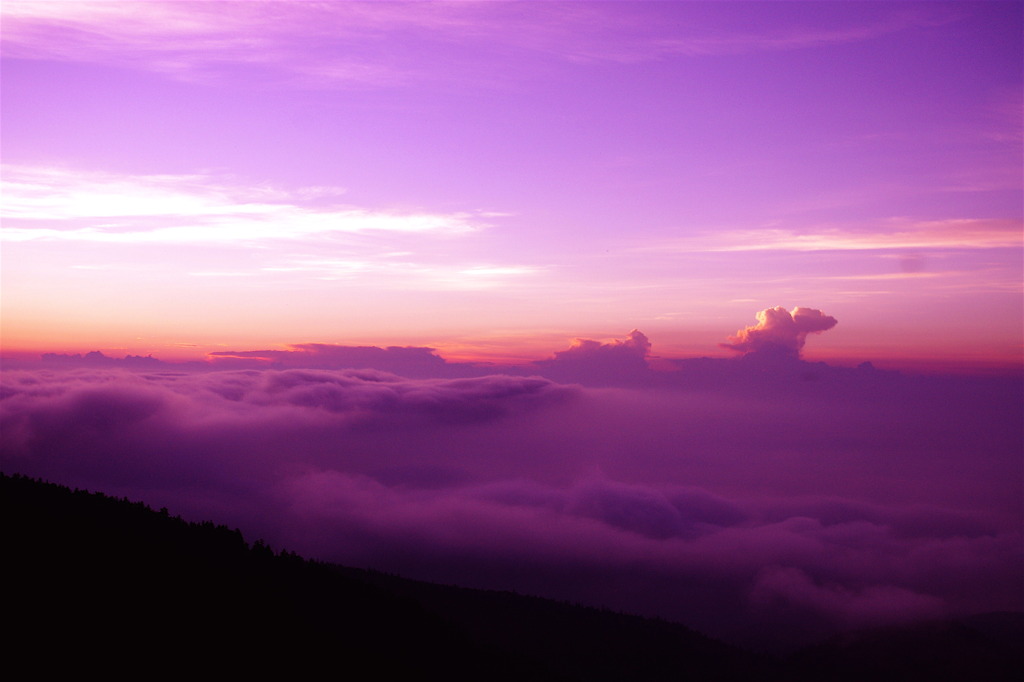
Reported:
(896, 233)
(299, 233)
(800, 36)
(59, 205)
(402, 270)
(200, 41)
(337, 44)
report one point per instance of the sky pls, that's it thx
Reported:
(709, 311)
(495, 179)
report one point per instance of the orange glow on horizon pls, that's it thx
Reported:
(956, 359)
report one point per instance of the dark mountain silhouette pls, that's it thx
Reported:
(94, 582)
(984, 647)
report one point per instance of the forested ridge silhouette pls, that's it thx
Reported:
(94, 582)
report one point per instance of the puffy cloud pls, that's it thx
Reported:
(634, 346)
(589, 361)
(780, 332)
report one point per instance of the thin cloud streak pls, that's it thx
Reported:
(796, 37)
(954, 233)
(103, 207)
(190, 41)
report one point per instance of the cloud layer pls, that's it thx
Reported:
(767, 516)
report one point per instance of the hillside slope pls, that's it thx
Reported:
(95, 582)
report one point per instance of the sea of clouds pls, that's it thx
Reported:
(761, 499)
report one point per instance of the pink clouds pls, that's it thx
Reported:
(794, 511)
(778, 331)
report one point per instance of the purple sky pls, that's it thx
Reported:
(534, 295)
(493, 179)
